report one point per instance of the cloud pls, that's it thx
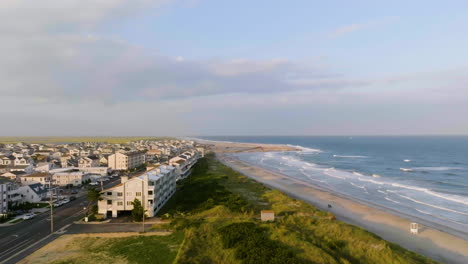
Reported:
(346, 29)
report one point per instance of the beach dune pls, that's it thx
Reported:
(431, 242)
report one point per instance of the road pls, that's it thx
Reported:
(20, 240)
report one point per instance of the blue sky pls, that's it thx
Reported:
(234, 67)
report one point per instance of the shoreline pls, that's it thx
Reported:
(434, 242)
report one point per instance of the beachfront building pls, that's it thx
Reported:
(126, 160)
(153, 187)
(184, 163)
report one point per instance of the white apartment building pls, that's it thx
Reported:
(153, 187)
(126, 161)
(42, 178)
(184, 163)
(72, 177)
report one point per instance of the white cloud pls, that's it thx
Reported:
(346, 29)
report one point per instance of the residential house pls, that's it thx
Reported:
(32, 193)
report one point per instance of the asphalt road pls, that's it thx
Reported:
(20, 240)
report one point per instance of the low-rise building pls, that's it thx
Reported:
(126, 161)
(40, 177)
(153, 188)
(72, 177)
(32, 193)
(184, 163)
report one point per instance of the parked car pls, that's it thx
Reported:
(74, 192)
(93, 183)
(57, 203)
(65, 201)
(29, 216)
(72, 198)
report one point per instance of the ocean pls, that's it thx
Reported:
(421, 177)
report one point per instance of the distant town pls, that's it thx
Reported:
(35, 176)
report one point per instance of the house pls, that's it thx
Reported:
(103, 161)
(32, 193)
(39, 177)
(86, 162)
(154, 188)
(45, 166)
(126, 161)
(14, 175)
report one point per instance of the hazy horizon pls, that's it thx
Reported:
(205, 67)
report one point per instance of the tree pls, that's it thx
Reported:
(93, 196)
(137, 212)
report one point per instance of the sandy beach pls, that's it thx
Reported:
(431, 242)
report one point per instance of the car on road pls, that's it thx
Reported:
(93, 183)
(65, 201)
(29, 216)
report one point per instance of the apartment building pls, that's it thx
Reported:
(184, 163)
(42, 178)
(72, 177)
(153, 188)
(126, 161)
(4, 186)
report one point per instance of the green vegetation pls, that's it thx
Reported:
(26, 206)
(50, 140)
(219, 208)
(93, 195)
(137, 211)
(134, 249)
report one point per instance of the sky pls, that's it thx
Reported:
(218, 67)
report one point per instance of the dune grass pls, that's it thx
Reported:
(134, 249)
(219, 210)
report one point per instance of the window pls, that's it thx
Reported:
(109, 202)
(150, 192)
(138, 193)
(119, 194)
(109, 193)
(119, 203)
(150, 202)
(129, 202)
(129, 193)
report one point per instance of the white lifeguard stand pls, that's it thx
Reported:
(414, 228)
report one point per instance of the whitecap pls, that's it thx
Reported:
(349, 156)
(432, 205)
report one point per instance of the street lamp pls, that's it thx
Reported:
(86, 214)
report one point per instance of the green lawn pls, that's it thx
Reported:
(219, 208)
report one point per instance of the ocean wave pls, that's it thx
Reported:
(305, 149)
(433, 205)
(349, 156)
(406, 169)
(382, 192)
(436, 168)
(393, 201)
(375, 175)
(453, 198)
(358, 186)
(357, 173)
